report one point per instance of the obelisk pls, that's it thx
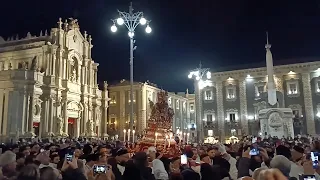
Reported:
(272, 93)
(274, 121)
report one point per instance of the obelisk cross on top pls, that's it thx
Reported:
(272, 93)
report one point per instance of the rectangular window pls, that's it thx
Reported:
(177, 104)
(318, 86)
(210, 133)
(293, 88)
(134, 97)
(208, 95)
(260, 89)
(192, 107)
(209, 119)
(113, 99)
(230, 94)
(295, 113)
(232, 117)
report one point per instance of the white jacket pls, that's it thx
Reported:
(233, 168)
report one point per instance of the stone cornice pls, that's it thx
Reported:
(279, 70)
(24, 45)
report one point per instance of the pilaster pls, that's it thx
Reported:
(143, 110)
(243, 106)
(220, 110)
(307, 96)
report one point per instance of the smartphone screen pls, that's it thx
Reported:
(309, 177)
(254, 152)
(184, 159)
(69, 157)
(99, 169)
(315, 159)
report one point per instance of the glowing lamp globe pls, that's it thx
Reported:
(143, 21)
(148, 29)
(120, 21)
(190, 76)
(208, 75)
(131, 34)
(197, 78)
(114, 28)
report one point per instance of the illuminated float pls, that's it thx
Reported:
(159, 127)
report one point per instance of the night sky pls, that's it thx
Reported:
(222, 34)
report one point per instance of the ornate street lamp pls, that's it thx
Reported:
(131, 20)
(202, 79)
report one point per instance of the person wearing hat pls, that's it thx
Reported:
(122, 156)
(8, 164)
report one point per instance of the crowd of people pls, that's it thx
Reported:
(267, 159)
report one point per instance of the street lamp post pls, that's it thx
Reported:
(131, 20)
(201, 78)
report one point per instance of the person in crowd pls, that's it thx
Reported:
(20, 158)
(54, 160)
(141, 162)
(29, 172)
(205, 158)
(49, 173)
(8, 164)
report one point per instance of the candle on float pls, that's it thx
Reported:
(155, 139)
(188, 138)
(170, 139)
(133, 131)
(124, 135)
(129, 134)
(165, 142)
(180, 137)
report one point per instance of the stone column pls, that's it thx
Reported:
(85, 118)
(1, 108)
(95, 78)
(307, 95)
(44, 117)
(220, 110)
(243, 106)
(90, 74)
(50, 119)
(65, 116)
(30, 119)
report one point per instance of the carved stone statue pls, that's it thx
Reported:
(59, 125)
(105, 85)
(275, 120)
(10, 66)
(73, 23)
(90, 127)
(34, 64)
(73, 76)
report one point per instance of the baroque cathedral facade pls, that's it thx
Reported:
(48, 85)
